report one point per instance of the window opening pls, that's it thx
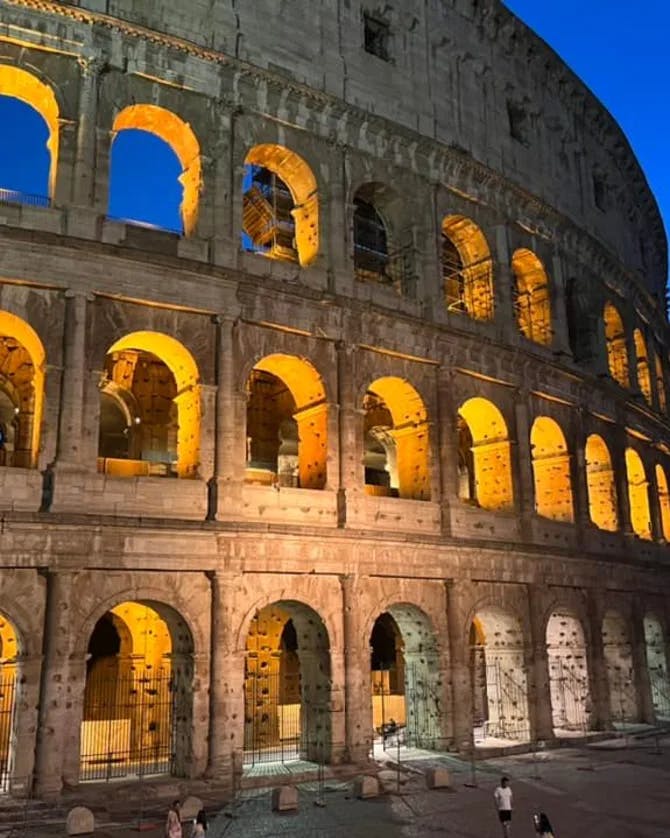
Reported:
(467, 269)
(25, 159)
(660, 385)
(377, 37)
(531, 297)
(643, 374)
(267, 207)
(615, 340)
(551, 470)
(663, 500)
(638, 495)
(601, 485)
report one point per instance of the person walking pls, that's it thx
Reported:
(200, 826)
(503, 798)
(542, 825)
(173, 822)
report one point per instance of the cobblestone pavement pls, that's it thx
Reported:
(618, 789)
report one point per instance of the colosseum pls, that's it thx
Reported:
(377, 436)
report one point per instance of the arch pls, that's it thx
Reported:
(137, 712)
(287, 423)
(661, 397)
(184, 392)
(287, 685)
(657, 666)
(638, 495)
(568, 673)
(601, 485)
(382, 249)
(618, 655)
(467, 268)
(532, 297)
(615, 341)
(27, 88)
(663, 500)
(397, 420)
(180, 137)
(299, 178)
(643, 374)
(22, 371)
(551, 470)
(490, 452)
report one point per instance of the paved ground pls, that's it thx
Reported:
(618, 789)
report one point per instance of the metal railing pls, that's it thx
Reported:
(7, 703)
(15, 196)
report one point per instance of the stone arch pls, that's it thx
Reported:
(467, 268)
(287, 423)
(397, 445)
(661, 397)
(27, 88)
(302, 217)
(287, 684)
(499, 676)
(657, 665)
(663, 500)
(568, 672)
(489, 456)
(381, 249)
(638, 495)
(618, 654)
(173, 379)
(642, 363)
(406, 683)
(22, 370)
(179, 135)
(615, 342)
(10, 651)
(551, 470)
(532, 297)
(137, 715)
(601, 485)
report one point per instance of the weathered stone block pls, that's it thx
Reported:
(80, 821)
(366, 787)
(438, 778)
(190, 808)
(285, 799)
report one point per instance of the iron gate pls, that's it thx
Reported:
(7, 695)
(128, 727)
(660, 693)
(421, 725)
(275, 718)
(573, 692)
(510, 700)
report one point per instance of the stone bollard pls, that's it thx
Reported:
(285, 799)
(190, 808)
(80, 821)
(366, 787)
(438, 778)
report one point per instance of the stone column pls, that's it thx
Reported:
(503, 281)
(578, 475)
(645, 703)
(84, 167)
(561, 341)
(618, 455)
(230, 445)
(461, 676)
(447, 444)
(601, 718)
(71, 736)
(522, 464)
(656, 519)
(26, 703)
(358, 702)
(54, 715)
(539, 693)
(351, 478)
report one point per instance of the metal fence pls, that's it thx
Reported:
(15, 196)
(507, 704)
(660, 693)
(276, 721)
(7, 702)
(570, 693)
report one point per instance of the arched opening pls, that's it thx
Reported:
(149, 409)
(381, 254)
(178, 135)
(601, 485)
(531, 297)
(406, 680)
(657, 666)
(568, 674)
(9, 679)
(137, 715)
(467, 268)
(22, 364)
(499, 679)
(30, 158)
(643, 374)
(638, 495)
(280, 205)
(287, 686)
(615, 340)
(619, 664)
(287, 424)
(661, 398)
(396, 454)
(663, 500)
(551, 470)
(484, 460)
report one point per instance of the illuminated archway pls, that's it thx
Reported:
(153, 379)
(25, 87)
(287, 685)
(381, 253)
(643, 374)
(568, 673)
(663, 500)
(22, 368)
(638, 495)
(287, 423)
(615, 340)
(467, 268)
(657, 666)
(551, 470)
(9, 663)
(619, 664)
(660, 384)
(601, 485)
(396, 440)
(181, 139)
(137, 712)
(491, 482)
(281, 228)
(531, 295)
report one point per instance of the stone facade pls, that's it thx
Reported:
(337, 444)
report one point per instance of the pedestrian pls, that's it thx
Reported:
(173, 822)
(200, 825)
(503, 798)
(542, 825)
